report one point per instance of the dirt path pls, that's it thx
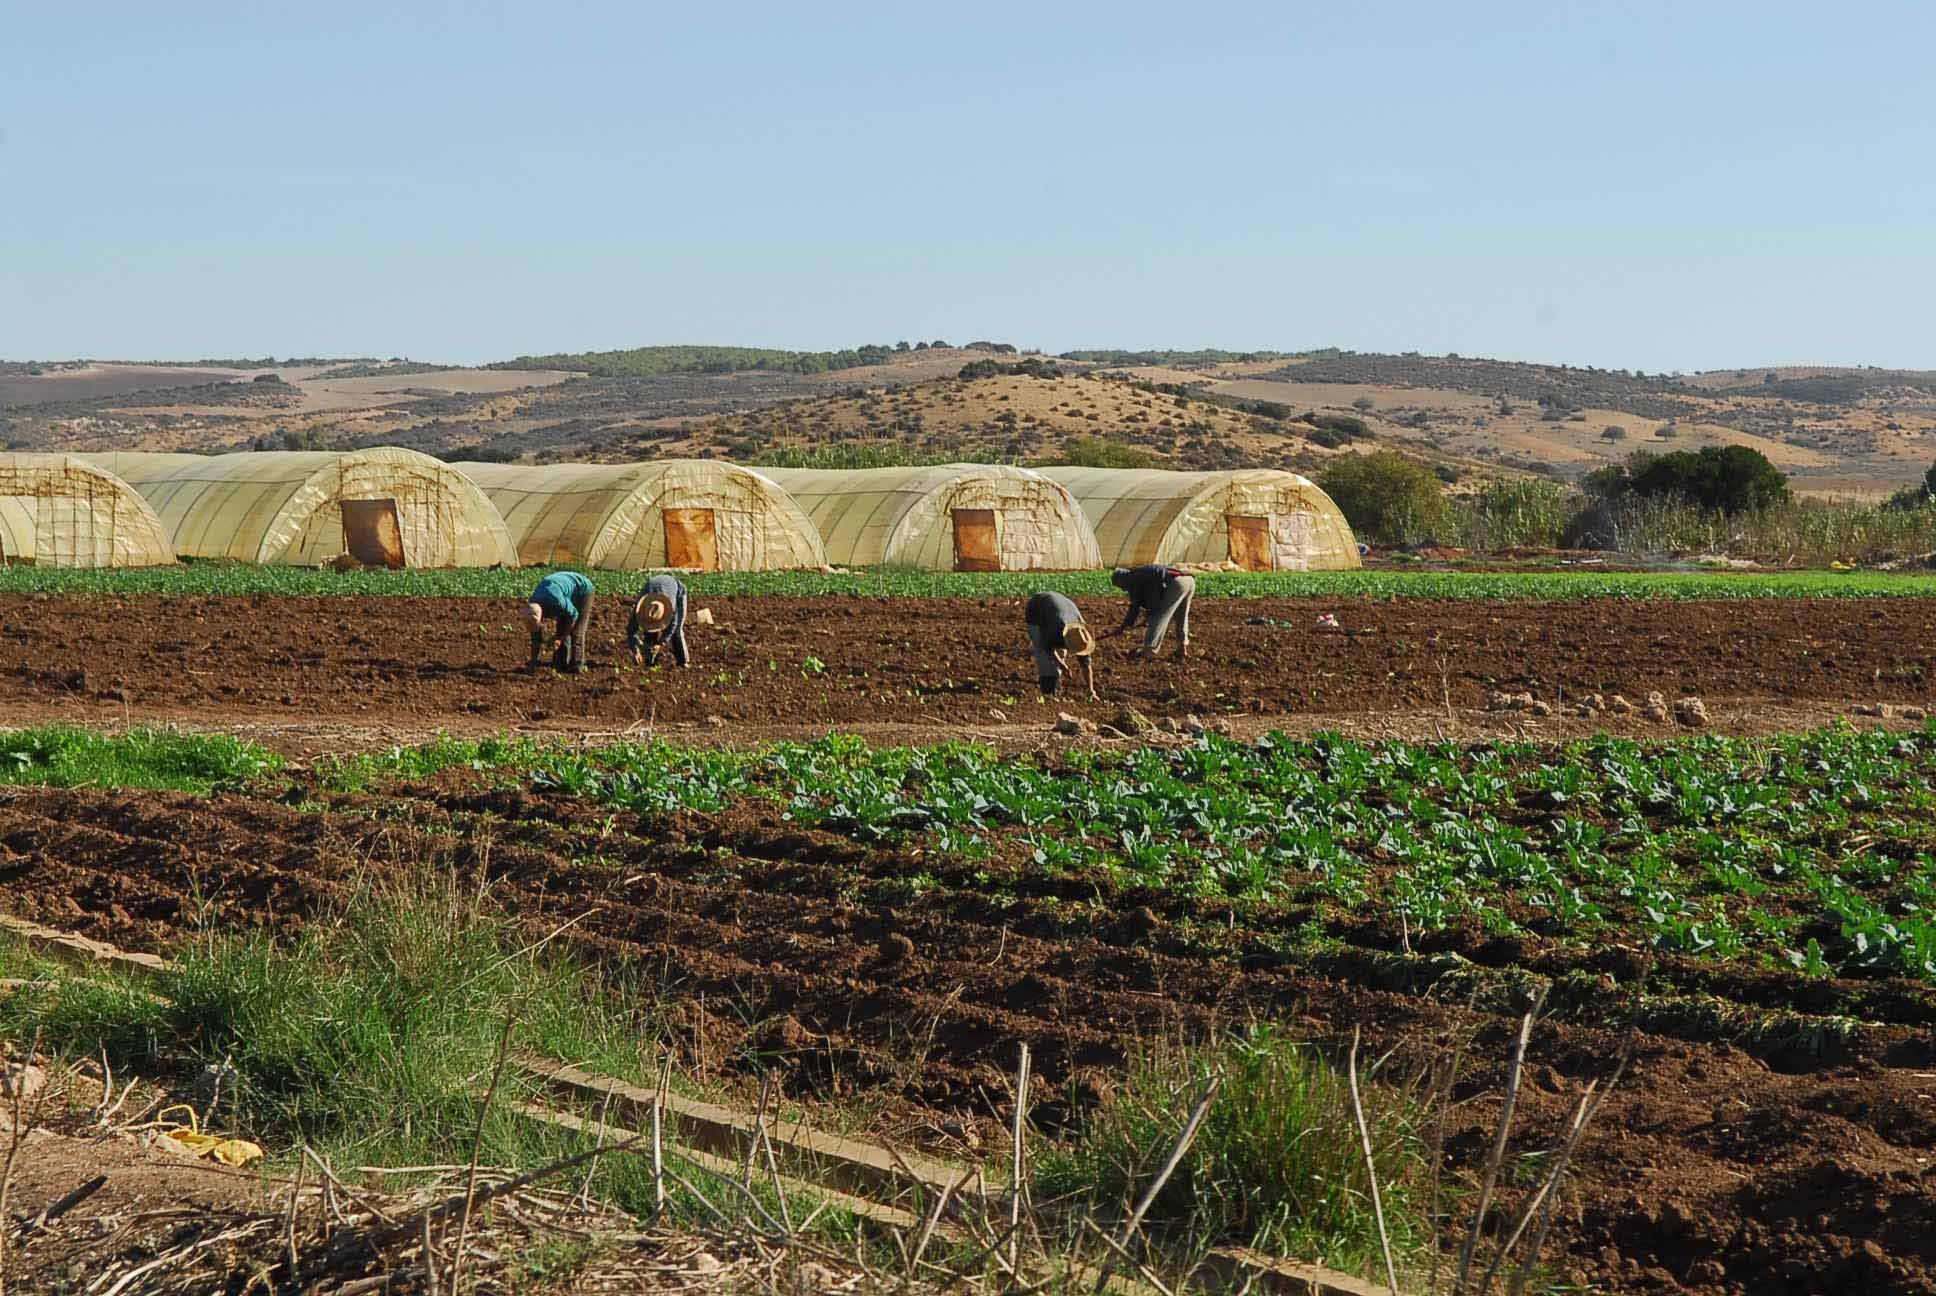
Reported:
(778, 665)
(1718, 1167)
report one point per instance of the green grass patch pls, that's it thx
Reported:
(68, 756)
(1277, 1163)
(223, 578)
(373, 1035)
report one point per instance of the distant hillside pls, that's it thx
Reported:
(1839, 431)
(1018, 416)
(652, 362)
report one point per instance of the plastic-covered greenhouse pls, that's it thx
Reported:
(59, 511)
(1257, 519)
(698, 514)
(959, 517)
(384, 507)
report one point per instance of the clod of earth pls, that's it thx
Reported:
(1692, 712)
(22, 1080)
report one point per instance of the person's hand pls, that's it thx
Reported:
(638, 656)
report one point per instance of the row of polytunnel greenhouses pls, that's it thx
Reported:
(398, 508)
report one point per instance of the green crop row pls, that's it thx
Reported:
(1814, 852)
(221, 578)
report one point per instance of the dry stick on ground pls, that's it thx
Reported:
(1525, 1273)
(15, 1137)
(1445, 1076)
(477, 1145)
(1532, 1204)
(1496, 1156)
(1371, 1165)
(658, 1138)
(1170, 1164)
(591, 1167)
(1015, 1183)
(772, 1163)
(289, 1223)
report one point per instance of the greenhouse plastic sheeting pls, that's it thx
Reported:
(905, 516)
(60, 511)
(1146, 515)
(621, 516)
(283, 506)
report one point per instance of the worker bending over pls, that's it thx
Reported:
(1055, 630)
(658, 618)
(1160, 593)
(565, 597)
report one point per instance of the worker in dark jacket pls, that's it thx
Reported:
(659, 618)
(1159, 593)
(1055, 630)
(564, 597)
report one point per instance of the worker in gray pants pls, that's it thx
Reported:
(1159, 593)
(1055, 631)
(659, 619)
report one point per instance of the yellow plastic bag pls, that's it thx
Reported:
(190, 1141)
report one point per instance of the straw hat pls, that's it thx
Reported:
(655, 612)
(1078, 640)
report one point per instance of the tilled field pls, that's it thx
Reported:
(1741, 1154)
(944, 663)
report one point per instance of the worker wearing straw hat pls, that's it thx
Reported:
(659, 617)
(564, 597)
(1056, 631)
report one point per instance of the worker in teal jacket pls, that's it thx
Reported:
(564, 597)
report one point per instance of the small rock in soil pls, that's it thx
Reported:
(22, 1080)
(1539, 709)
(1619, 705)
(1073, 726)
(1131, 721)
(1655, 708)
(213, 1085)
(715, 722)
(895, 948)
(704, 616)
(1692, 712)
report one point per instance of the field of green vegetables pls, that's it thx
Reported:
(239, 578)
(1814, 853)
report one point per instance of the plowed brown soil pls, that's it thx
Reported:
(1715, 1168)
(942, 662)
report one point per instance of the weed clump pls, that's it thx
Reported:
(1277, 1163)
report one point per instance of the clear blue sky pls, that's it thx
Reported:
(1660, 186)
